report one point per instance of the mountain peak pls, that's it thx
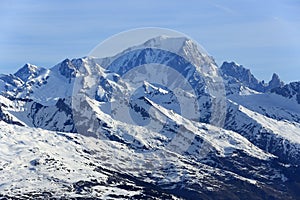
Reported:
(241, 74)
(275, 82)
(172, 44)
(66, 68)
(245, 77)
(28, 71)
(28, 67)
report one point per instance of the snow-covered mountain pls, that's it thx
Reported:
(29, 71)
(237, 74)
(290, 91)
(159, 120)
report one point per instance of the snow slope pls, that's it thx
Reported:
(38, 163)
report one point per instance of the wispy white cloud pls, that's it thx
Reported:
(224, 8)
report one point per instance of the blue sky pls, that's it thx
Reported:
(261, 35)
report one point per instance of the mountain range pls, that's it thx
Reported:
(159, 120)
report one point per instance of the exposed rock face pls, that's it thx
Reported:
(244, 76)
(291, 90)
